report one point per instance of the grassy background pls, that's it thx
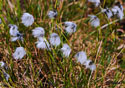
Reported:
(43, 69)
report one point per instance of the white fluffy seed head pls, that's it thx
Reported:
(14, 39)
(118, 11)
(108, 12)
(54, 39)
(27, 19)
(15, 35)
(70, 27)
(96, 2)
(18, 37)
(68, 23)
(52, 14)
(38, 32)
(89, 64)
(19, 53)
(121, 7)
(66, 50)
(42, 43)
(92, 67)
(120, 15)
(115, 9)
(81, 57)
(69, 30)
(2, 64)
(94, 20)
(13, 30)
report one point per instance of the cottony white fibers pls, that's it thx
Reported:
(120, 14)
(54, 39)
(96, 2)
(52, 14)
(92, 67)
(89, 64)
(115, 10)
(70, 27)
(27, 19)
(68, 23)
(121, 7)
(94, 20)
(118, 11)
(2, 64)
(42, 43)
(38, 32)
(108, 12)
(15, 35)
(13, 30)
(19, 53)
(66, 50)
(81, 57)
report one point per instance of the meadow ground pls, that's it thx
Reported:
(50, 69)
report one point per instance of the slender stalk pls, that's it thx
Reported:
(104, 26)
(90, 78)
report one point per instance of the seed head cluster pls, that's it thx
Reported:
(19, 53)
(15, 34)
(70, 27)
(82, 58)
(66, 50)
(27, 19)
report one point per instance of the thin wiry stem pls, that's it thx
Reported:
(90, 78)
(109, 24)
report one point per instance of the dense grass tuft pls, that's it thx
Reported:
(50, 68)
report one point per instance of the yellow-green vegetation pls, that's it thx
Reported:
(50, 69)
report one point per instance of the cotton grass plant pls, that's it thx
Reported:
(61, 44)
